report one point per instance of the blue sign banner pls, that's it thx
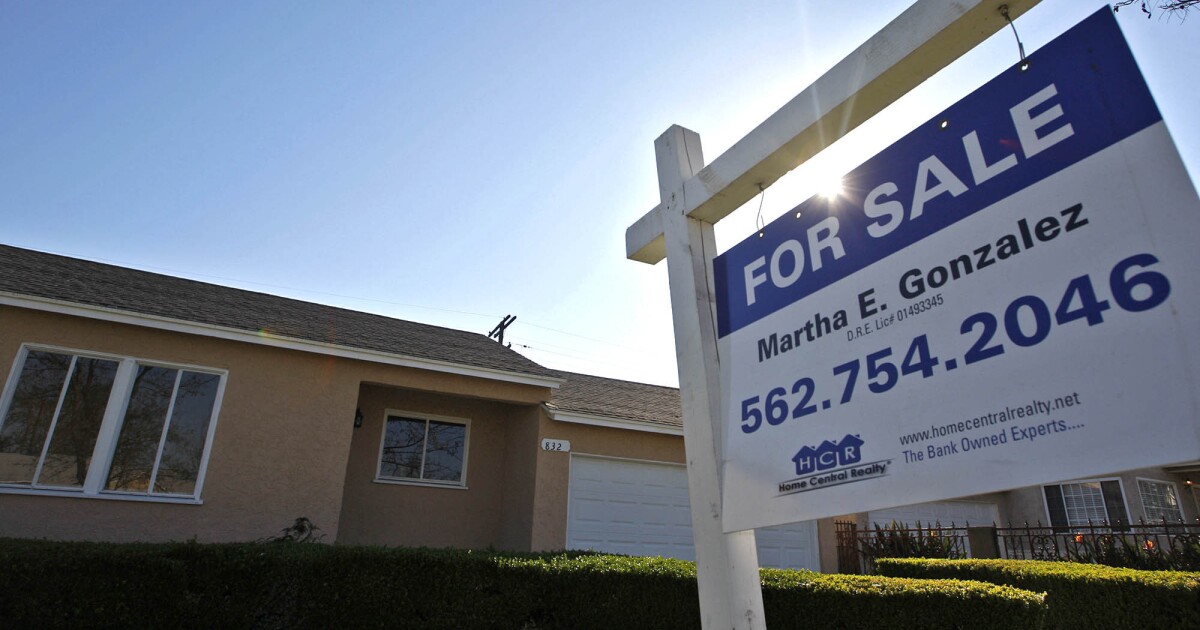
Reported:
(1008, 135)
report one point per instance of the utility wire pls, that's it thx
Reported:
(569, 356)
(146, 267)
(571, 334)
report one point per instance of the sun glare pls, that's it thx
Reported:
(831, 188)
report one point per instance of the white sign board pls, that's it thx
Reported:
(1005, 297)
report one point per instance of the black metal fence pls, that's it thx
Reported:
(1162, 545)
(858, 548)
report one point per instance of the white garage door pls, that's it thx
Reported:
(958, 513)
(641, 509)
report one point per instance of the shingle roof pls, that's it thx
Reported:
(611, 398)
(30, 273)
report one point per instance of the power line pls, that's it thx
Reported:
(569, 356)
(180, 272)
(272, 286)
(541, 345)
(571, 334)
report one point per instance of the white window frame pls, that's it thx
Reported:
(1142, 498)
(461, 484)
(1108, 517)
(110, 426)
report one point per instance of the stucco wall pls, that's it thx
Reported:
(827, 544)
(520, 487)
(279, 450)
(282, 446)
(487, 512)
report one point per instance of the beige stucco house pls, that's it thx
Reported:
(143, 407)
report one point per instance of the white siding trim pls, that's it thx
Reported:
(106, 495)
(614, 423)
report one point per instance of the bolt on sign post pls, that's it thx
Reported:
(1007, 296)
(693, 196)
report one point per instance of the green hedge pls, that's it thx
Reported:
(47, 584)
(802, 599)
(1081, 596)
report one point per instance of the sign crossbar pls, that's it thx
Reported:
(925, 38)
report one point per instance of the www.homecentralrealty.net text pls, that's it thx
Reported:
(992, 418)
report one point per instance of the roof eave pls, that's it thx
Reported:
(267, 339)
(614, 423)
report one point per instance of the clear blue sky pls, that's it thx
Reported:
(444, 162)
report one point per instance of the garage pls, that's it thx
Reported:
(641, 508)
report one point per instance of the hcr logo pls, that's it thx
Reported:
(828, 455)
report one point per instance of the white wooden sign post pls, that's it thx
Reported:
(727, 564)
(914, 46)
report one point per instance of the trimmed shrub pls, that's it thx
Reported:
(90, 585)
(68, 585)
(1081, 596)
(803, 599)
(604, 591)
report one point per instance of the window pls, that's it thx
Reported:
(1160, 501)
(1086, 502)
(418, 449)
(94, 424)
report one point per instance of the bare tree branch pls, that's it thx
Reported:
(1171, 8)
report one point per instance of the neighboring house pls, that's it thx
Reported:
(139, 406)
(1145, 495)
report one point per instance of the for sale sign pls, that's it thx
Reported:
(1007, 296)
